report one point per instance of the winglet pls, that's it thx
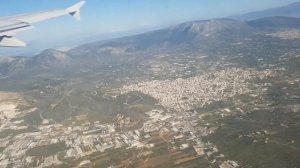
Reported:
(75, 10)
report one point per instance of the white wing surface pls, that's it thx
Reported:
(9, 26)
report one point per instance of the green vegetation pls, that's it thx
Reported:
(8, 132)
(2, 149)
(216, 105)
(277, 152)
(46, 150)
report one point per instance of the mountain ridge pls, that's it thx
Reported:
(276, 23)
(291, 10)
(200, 35)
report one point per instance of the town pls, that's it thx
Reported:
(176, 125)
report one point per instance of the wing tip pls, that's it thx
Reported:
(75, 9)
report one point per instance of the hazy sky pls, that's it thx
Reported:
(102, 19)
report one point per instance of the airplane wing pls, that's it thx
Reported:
(9, 26)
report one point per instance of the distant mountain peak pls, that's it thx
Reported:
(53, 54)
(295, 4)
(49, 58)
(276, 23)
(50, 51)
(198, 24)
(292, 10)
(212, 27)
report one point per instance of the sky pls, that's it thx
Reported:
(104, 19)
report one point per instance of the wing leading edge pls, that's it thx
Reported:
(9, 26)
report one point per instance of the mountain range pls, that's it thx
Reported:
(210, 37)
(292, 10)
(194, 35)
